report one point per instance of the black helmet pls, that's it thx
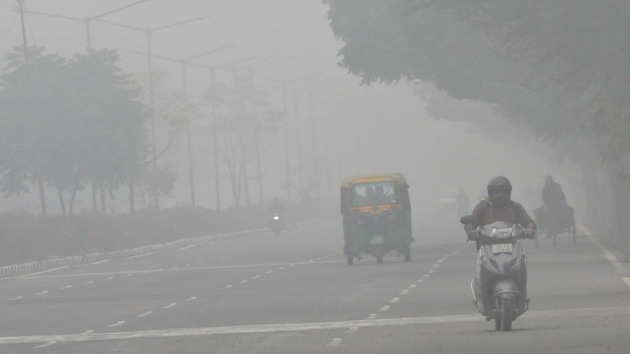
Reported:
(499, 190)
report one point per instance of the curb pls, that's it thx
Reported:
(55, 262)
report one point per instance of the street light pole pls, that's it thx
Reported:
(25, 49)
(184, 63)
(149, 32)
(215, 135)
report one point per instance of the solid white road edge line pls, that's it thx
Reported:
(296, 327)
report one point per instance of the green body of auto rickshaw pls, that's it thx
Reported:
(376, 216)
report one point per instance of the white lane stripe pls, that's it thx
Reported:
(425, 276)
(142, 255)
(296, 327)
(116, 324)
(110, 278)
(43, 272)
(419, 280)
(66, 287)
(44, 345)
(395, 300)
(16, 298)
(404, 292)
(371, 316)
(88, 283)
(192, 298)
(436, 266)
(352, 330)
(228, 286)
(256, 277)
(431, 271)
(42, 293)
(172, 304)
(187, 247)
(243, 281)
(621, 270)
(335, 342)
(145, 314)
(412, 286)
(385, 308)
(100, 262)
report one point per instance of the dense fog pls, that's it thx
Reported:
(336, 127)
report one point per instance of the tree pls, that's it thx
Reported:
(67, 122)
(556, 68)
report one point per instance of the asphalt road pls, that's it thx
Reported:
(294, 293)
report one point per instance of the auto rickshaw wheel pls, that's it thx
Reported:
(407, 252)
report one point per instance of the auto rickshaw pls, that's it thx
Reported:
(376, 216)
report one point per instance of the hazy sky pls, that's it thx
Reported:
(356, 129)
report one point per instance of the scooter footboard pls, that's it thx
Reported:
(506, 288)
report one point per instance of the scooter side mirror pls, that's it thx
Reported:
(468, 219)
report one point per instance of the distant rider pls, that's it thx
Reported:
(552, 193)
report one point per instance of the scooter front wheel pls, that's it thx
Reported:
(505, 319)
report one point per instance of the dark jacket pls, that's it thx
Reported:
(512, 212)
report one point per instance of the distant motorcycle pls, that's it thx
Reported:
(500, 284)
(276, 224)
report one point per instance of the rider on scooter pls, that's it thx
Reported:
(499, 207)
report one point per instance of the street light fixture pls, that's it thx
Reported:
(184, 63)
(86, 20)
(149, 32)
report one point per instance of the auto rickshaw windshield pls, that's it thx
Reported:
(377, 193)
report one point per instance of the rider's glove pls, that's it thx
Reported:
(529, 233)
(472, 234)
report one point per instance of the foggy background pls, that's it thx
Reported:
(336, 127)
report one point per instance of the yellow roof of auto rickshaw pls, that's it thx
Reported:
(396, 177)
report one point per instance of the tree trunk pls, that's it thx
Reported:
(42, 196)
(72, 200)
(593, 196)
(132, 198)
(103, 200)
(94, 204)
(62, 202)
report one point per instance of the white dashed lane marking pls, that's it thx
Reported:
(192, 298)
(335, 342)
(173, 304)
(42, 293)
(17, 298)
(352, 330)
(145, 314)
(44, 345)
(116, 324)
(395, 300)
(371, 316)
(385, 308)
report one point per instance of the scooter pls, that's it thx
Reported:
(500, 284)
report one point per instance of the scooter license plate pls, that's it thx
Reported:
(502, 248)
